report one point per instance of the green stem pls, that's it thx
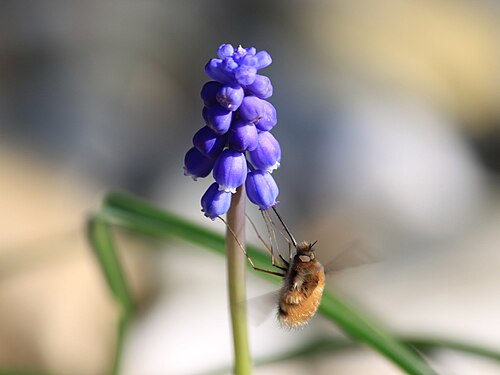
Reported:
(235, 236)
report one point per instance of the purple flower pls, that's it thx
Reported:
(267, 155)
(238, 120)
(217, 70)
(261, 87)
(230, 170)
(230, 96)
(219, 119)
(209, 93)
(225, 50)
(242, 136)
(208, 142)
(245, 74)
(215, 202)
(263, 60)
(196, 164)
(260, 112)
(251, 109)
(268, 117)
(261, 189)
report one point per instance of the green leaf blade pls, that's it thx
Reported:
(360, 329)
(101, 239)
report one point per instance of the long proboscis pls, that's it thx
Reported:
(285, 227)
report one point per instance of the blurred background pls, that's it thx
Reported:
(389, 121)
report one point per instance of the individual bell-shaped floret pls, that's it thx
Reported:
(208, 142)
(258, 111)
(196, 164)
(215, 202)
(261, 87)
(219, 119)
(230, 66)
(261, 189)
(230, 96)
(225, 50)
(263, 60)
(242, 136)
(217, 70)
(245, 74)
(209, 93)
(268, 118)
(267, 155)
(230, 170)
(251, 50)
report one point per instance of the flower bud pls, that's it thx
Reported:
(267, 155)
(219, 119)
(230, 65)
(208, 142)
(261, 87)
(251, 50)
(251, 109)
(216, 70)
(245, 74)
(242, 136)
(215, 202)
(225, 50)
(249, 60)
(258, 111)
(261, 189)
(263, 60)
(209, 93)
(196, 164)
(268, 118)
(230, 96)
(230, 170)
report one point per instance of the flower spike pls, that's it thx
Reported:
(235, 144)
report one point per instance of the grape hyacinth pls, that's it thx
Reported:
(238, 120)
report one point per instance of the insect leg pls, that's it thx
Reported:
(270, 219)
(270, 228)
(280, 267)
(285, 261)
(246, 254)
(280, 274)
(285, 227)
(269, 248)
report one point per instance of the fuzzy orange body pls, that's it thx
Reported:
(302, 290)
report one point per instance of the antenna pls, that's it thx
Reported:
(285, 227)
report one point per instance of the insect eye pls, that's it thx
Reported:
(304, 258)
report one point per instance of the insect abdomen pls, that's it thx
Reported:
(298, 305)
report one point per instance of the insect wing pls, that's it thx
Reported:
(261, 307)
(353, 256)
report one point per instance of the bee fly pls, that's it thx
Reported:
(303, 275)
(303, 283)
(302, 289)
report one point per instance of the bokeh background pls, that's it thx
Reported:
(389, 121)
